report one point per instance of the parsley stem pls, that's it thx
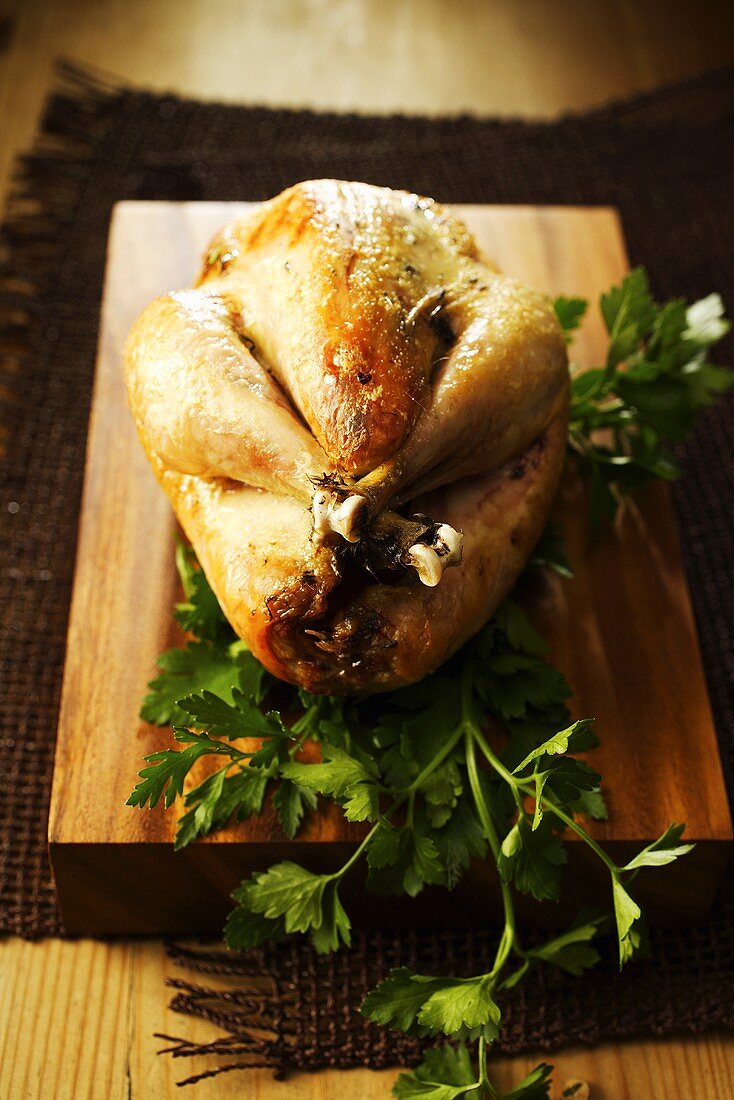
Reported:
(509, 934)
(494, 760)
(298, 743)
(360, 849)
(301, 725)
(509, 940)
(482, 1058)
(514, 783)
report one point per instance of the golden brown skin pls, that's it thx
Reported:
(353, 335)
(321, 274)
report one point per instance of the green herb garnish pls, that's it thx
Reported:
(417, 765)
(627, 414)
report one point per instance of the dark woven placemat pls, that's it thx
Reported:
(666, 160)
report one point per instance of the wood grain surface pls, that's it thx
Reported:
(622, 630)
(533, 58)
(92, 1039)
(78, 1022)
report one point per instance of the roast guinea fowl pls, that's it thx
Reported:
(360, 425)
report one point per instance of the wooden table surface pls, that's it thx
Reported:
(77, 1018)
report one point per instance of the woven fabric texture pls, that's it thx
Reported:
(666, 160)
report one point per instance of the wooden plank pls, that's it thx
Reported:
(78, 1022)
(623, 631)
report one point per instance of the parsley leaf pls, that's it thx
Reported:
(662, 851)
(519, 632)
(458, 842)
(536, 1086)
(238, 718)
(462, 1007)
(397, 1000)
(571, 950)
(291, 801)
(304, 901)
(217, 799)
(446, 1072)
(513, 685)
(196, 667)
(416, 1004)
(577, 736)
(441, 792)
(627, 914)
(334, 929)
(443, 1067)
(568, 778)
(290, 891)
(655, 381)
(167, 769)
(628, 311)
(570, 313)
(592, 804)
(511, 676)
(411, 1087)
(350, 781)
(532, 860)
(402, 860)
(245, 929)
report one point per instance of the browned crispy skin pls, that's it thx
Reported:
(346, 335)
(325, 287)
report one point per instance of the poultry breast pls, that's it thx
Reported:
(360, 425)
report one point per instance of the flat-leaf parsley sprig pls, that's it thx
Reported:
(627, 413)
(478, 761)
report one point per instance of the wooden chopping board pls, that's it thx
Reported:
(622, 631)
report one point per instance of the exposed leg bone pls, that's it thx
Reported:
(391, 543)
(449, 544)
(426, 563)
(334, 512)
(431, 558)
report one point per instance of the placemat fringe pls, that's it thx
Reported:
(44, 193)
(256, 1015)
(38, 250)
(288, 1009)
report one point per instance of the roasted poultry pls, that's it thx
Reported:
(360, 424)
